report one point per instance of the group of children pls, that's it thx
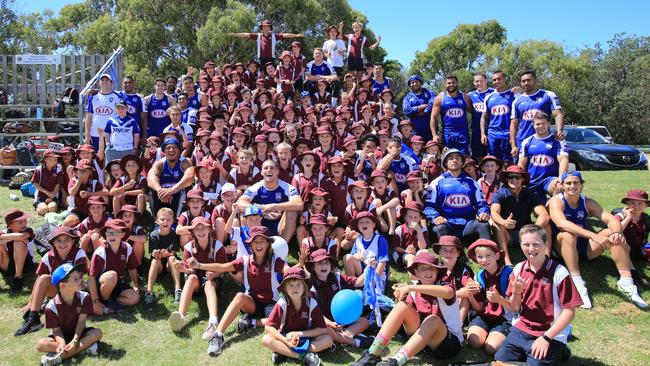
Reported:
(363, 179)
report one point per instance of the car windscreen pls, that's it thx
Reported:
(584, 136)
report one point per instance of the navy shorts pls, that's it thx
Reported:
(448, 348)
(503, 327)
(455, 140)
(355, 64)
(582, 244)
(120, 286)
(517, 347)
(262, 310)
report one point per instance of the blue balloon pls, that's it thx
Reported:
(346, 307)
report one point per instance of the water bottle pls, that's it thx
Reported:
(39, 112)
(14, 197)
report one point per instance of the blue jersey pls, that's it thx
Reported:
(478, 107)
(377, 246)
(401, 168)
(325, 69)
(525, 107)
(578, 215)
(194, 101)
(259, 194)
(157, 115)
(420, 122)
(122, 131)
(543, 157)
(459, 200)
(170, 176)
(102, 106)
(188, 116)
(136, 106)
(377, 88)
(498, 104)
(454, 116)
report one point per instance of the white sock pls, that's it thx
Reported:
(626, 281)
(218, 334)
(577, 280)
(213, 320)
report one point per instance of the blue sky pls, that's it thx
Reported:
(406, 26)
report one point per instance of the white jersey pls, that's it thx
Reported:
(332, 48)
(102, 106)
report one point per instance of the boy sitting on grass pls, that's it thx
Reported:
(16, 248)
(66, 315)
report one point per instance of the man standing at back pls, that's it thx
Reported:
(452, 107)
(137, 108)
(478, 107)
(495, 121)
(525, 107)
(99, 109)
(416, 106)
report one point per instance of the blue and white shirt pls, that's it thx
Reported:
(122, 131)
(543, 157)
(459, 200)
(136, 105)
(188, 116)
(498, 104)
(524, 107)
(102, 106)
(401, 168)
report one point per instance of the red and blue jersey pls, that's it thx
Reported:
(458, 199)
(453, 112)
(525, 107)
(498, 104)
(543, 157)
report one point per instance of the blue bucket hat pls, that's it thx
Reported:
(63, 271)
(415, 77)
(252, 210)
(170, 141)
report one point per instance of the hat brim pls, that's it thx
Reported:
(23, 217)
(625, 199)
(252, 238)
(284, 280)
(504, 176)
(414, 264)
(79, 267)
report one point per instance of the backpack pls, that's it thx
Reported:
(25, 153)
(503, 279)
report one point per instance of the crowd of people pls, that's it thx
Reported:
(236, 161)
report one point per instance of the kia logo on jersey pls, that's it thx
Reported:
(499, 110)
(530, 114)
(542, 160)
(457, 200)
(479, 107)
(455, 112)
(158, 113)
(104, 110)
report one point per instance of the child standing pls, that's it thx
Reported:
(66, 315)
(164, 244)
(542, 292)
(295, 319)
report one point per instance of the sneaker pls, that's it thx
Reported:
(177, 296)
(364, 341)
(148, 301)
(51, 359)
(389, 362)
(311, 359)
(277, 358)
(244, 325)
(91, 351)
(177, 321)
(367, 359)
(115, 306)
(16, 285)
(633, 294)
(584, 296)
(210, 330)
(31, 324)
(215, 345)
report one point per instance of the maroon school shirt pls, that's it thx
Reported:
(105, 259)
(296, 320)
(259, 277)
(58, 314)
(48, 179)
(214, 254)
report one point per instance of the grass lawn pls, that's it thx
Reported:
(614, 332)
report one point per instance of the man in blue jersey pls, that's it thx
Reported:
(417, 106)
(452, 107)
(189, 87)
(319, 69)
(525, 106)
(397, 163)
(379, 80)
(478, 107)
(169, 176)
(188, 113)
(277, 199)
(137, 108)
(544, 157)
(495, 121)
(576, 242)
(170, 90)
(455, 203)
(99, 109)
(157, 105)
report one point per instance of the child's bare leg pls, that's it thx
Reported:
(141, 203)
(476, 337)
(210, 290)
(192, 284)
(20, 253)
(107, 282)
(278, 346)
(52, 207)
(154, 271)
(176, 273)
(242, 302)
(322, 342)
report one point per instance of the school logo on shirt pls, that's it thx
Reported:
(278, 196)
(123, 257)
(457, 200)
(545, 281)
(304, 315)
(549, 146)
(158, 113)
(455, 112)
(542, 160)
(78, 309)
(335, 287)
(580, 214)
(131, 109)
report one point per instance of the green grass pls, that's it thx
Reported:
(614, 332)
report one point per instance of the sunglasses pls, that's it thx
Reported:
(513, 176)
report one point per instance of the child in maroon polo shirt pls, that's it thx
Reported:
(195, 204)
(410, 236)
(318, 229)
(635, 224)
(16, 248)
(542, 292)
(296, 327)
(428, 312)
(327, 283)
(82, 186)
(337, 186)
(491, 325)
(262, 272)
(137, 235)
(458, 272)
(65, 249)
(359, 192)
(108, 266)
(90, 227)
(48, 179)
(203, 248)
(66, 316)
